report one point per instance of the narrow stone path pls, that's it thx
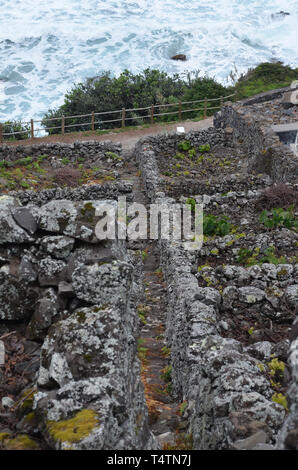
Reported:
(164, 417)
(163, 410)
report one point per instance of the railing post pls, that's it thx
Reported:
(205, 108)
(152, 114)
(92, 121)
(123, 117)
(180, 111)
(221, 102)
(63, 125)
(1, 133)
(32, 129)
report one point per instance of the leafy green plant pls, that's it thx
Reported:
(249, 257)
(167, 373)
(4, 164)
(105, 93)
(182, 407)
(212, 225)
(192, 153)
(281, 400)
(184, 145)
(204, 148)
(192, 202)
(271, 258)
(279, 218)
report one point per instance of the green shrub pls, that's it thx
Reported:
(251, 257)
(266, 76)
(199, 88)
(279, 218)
(106, 93)
(18, 130)
(212, 225)
(184, 145)
(204, 148)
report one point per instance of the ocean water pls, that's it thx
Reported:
(46, 47)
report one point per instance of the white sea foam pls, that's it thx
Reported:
(45, 47)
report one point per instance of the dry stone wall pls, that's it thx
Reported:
(76, 297)
(225, 381)
(251, 122)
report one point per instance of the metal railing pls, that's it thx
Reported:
(124, 116)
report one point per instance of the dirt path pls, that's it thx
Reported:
(128, 138)
(164, 417)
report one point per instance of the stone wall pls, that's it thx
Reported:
(76, 296)
(91, 150)
(288, 437)
(251, 125)
(110, 190)
(226, 384)
(147, 150)
(228, 397)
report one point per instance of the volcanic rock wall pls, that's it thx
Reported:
(227, 382)
(251, 122)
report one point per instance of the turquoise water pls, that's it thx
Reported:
(45, 47)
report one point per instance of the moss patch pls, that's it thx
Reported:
(21, 442)
(74, 429)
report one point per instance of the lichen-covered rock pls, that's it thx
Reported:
(46, 309)
(51, 272)
(261, 350)
(10, 231)
(17, 301)
(209, 296)
(58, 217)
(57, 246)
(27, 270)
(24, 218)
(223, 381)
(217, 376)
(251, 295)
(288, 437)
(102, 283)
(291, 296)
(90, 379)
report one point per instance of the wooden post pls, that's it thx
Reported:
(123, 117)
(205, 108)
(63, 125)
(32, 129)
(152, 114)
(180, 111)
(221, 102)
(1, 133)
(92, 121)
